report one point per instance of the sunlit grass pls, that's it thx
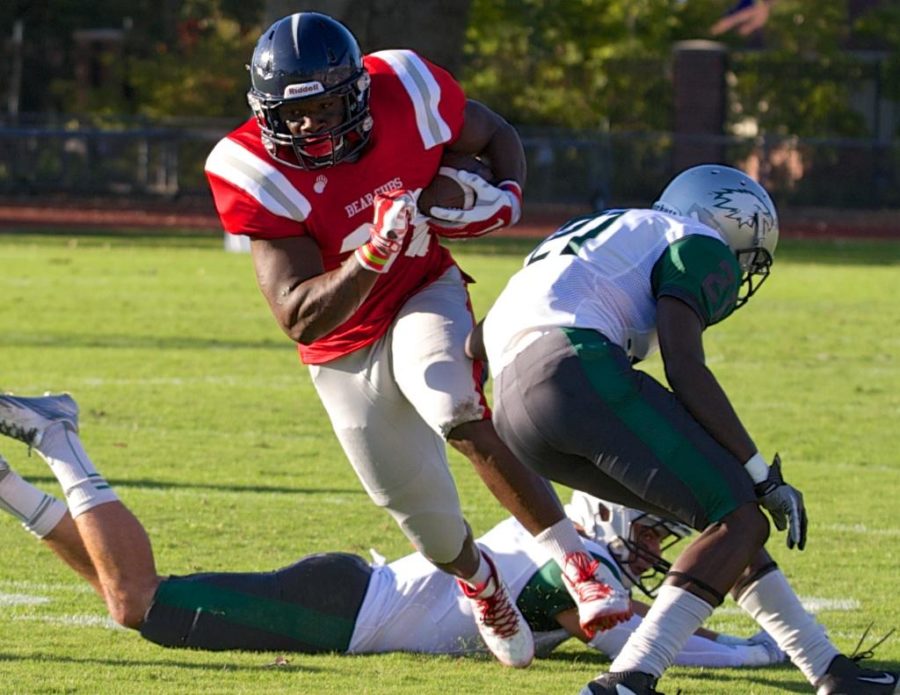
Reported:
(194, 405)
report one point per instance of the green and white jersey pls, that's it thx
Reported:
(412, 606)
(606, 272)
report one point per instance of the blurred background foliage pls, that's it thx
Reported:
(602, 63)
(579, 64)
(127, 96)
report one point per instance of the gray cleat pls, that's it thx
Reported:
(27, 419)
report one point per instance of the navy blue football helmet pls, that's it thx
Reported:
(302, 56)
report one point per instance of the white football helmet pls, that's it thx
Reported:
(737, 207)
(614, 524)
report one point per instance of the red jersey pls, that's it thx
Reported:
(417, 109)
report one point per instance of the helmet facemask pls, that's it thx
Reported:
(621, 528)
(627, 551)
(326, 147)
(306, 56)
(755, 263)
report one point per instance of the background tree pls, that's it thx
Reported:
(582, 64)
(434, 28)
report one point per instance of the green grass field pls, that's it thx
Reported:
(195, 407)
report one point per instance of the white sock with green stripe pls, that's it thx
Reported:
(38, 511)
(82, 485)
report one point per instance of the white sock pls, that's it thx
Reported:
(772, 603)
(482, 574)
(559, 540)
(82, 485)
(38, 511)
(672, 619)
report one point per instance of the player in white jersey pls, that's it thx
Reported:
(591, 300)
(336, 602)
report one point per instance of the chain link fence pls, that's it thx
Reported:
(83, 157)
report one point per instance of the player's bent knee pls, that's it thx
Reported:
(438, 536)
(751, 524)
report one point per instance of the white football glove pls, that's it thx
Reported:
(494, 207)
(393, 212)
(765, 650)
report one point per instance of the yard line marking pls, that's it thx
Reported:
(73, 620)
(44, 586)
(815, 605)
(811, 604)
(862, 529)
(22, 600)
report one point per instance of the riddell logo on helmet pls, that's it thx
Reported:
(293, 91)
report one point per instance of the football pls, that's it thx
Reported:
(444, 191)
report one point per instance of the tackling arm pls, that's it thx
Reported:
(680, 334)
(681, 343)
(475, 343)
(704, 648)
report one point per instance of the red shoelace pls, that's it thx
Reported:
(585, 584)
(497, 612)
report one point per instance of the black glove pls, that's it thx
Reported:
(784, 504)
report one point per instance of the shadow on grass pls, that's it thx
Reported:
(829, 251)
(838, 251)
(154, 663)
(711, 680)
(130, 236)
(132, 342)
(776, 677)
(739, 680)
(213, 487)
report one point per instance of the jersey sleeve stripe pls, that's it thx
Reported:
(423, 90)
(259, 179)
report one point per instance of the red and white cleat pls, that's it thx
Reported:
(499, 621)
(601, 606)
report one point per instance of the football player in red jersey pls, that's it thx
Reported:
(323, 179)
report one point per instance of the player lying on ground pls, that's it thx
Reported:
(331, 601)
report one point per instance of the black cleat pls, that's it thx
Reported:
(846, 677)
(622, 683)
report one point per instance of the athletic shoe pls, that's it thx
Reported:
(622, 683)
(846, 677)
(499, 621)
(600, 605)
(26, 419)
